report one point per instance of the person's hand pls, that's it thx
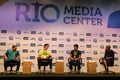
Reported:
(40, 58)
(48, 57)
(78, 58)
(75, 59)
(71, 58)
(44, 57)
(17, 58)
(6, 58)
(108, 58)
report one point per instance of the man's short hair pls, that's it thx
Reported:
(75, 45)
(14, 46)
(46, 45)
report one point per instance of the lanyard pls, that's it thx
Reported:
(13, 54)
(45, 52)
(75, 53)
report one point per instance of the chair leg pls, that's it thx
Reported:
(44, 68)
(11, 69)
(75, 68)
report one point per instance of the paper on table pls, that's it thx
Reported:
(27, 60)
(91, 61)
(60, 61)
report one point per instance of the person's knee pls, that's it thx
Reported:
(18, 62)
(39, 59)
(5, 62)
(78, 62)
(104, 61)
(50, 60)
(71, 62)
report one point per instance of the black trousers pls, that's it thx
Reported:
(40, 61)
(72, 63)
(7, 63)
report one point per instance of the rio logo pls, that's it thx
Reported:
(39, 11)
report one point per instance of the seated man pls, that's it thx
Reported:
(45, 54)
(12, 54)
(75, 56)
(108, 58)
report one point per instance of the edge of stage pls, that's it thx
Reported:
(99, 76)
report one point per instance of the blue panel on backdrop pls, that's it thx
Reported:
(114, 20)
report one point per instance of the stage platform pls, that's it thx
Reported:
(59, 75)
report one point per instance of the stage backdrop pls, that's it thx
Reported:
(92, 24)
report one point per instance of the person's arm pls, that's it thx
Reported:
(79, 55)
(105, 55)
(108, 57)
(18, 56)
(112, 55)
(5, 55)
(49, 54)
(71, 56)
(39, 55)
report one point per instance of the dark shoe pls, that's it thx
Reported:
(39, 71)
(106, 71)
(50, 71)
(17, 72)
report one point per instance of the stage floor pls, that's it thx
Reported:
(60, 75)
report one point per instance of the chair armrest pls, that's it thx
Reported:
(81, 60)
(69, 60)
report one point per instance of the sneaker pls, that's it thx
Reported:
(5, 72)
(17, 72)
(70, 71)
(39, 71)
(50, 71)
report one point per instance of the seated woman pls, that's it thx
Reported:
(108, 58)
(75, 56)
(44, 54)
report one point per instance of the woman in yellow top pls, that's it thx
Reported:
(44, 55)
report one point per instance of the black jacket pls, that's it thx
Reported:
(78, 53)
(109, 54)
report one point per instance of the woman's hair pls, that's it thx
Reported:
(108, 46)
